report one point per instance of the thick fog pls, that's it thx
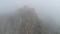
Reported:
(48, 10)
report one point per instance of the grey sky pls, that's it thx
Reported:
(44, 8)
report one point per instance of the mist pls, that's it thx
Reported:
(48, 10)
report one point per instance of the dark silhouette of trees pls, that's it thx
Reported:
(24, 21)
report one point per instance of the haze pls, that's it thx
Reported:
(47, 10)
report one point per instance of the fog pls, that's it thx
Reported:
(48, 10)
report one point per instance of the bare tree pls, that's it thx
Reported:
(30, 23)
